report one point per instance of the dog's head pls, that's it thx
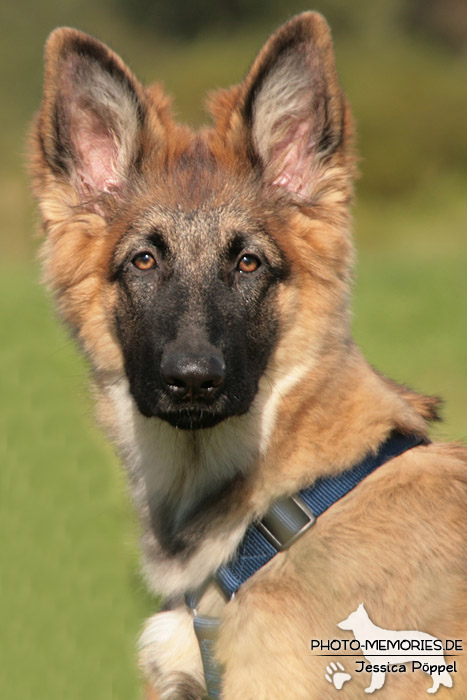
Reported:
(355, 619)
(185, 259)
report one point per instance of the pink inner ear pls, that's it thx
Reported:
(97, 152)
(292, 159)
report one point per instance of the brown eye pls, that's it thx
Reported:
(248, 263)
(144, 261)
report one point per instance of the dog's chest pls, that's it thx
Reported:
(185, 486)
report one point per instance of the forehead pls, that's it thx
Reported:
(198, 206)
(211, 224)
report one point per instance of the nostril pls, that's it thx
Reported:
(213, 382)
(176, 382)
(208, 385)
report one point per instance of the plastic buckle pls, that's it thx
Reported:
(281, 546)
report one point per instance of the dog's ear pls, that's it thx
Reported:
(90, 126)
(291, 106)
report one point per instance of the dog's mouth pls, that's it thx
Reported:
(192, 418)
(190, 415)
(193, 406)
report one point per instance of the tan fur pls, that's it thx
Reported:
(352, 554)
(398, 540)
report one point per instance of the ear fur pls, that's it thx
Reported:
(292, 108)
(92, 116)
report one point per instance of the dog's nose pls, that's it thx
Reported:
(191, 376)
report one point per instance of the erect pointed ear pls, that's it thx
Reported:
(92, 115)
(292, 106)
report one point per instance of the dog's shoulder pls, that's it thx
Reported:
(426, 474)
(413, 507)
(410, 510)
(438, 470)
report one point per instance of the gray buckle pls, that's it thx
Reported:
(286, 521)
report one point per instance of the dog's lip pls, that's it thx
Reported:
(191, 418)
(192, 415)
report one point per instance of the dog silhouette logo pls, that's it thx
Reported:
(375, 643)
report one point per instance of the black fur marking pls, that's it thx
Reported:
(158, 240)
(182, 686)
(236, 245)
(139, 157)
(88, 49)
(263, 74)
(331, 135)
(171, 603)
(61, 153)
(180, 538)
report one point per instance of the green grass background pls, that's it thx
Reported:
(71, 597)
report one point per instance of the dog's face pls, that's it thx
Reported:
(181, 259)
(195, 314)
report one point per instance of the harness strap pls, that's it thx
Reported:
(289, 518)
(207, 632)
(286, 520)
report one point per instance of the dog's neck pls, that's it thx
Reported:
(182, 467)
(191, 488)
(323, 413)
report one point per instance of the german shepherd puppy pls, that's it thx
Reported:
(206, 277)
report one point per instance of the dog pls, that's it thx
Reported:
(369, 635)
(206, 277)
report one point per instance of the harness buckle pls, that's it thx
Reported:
(286, 521)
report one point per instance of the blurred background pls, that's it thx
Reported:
(71, 597)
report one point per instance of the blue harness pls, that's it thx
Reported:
(286, 520)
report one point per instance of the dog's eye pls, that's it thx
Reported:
(144, 261)
(248, 263)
